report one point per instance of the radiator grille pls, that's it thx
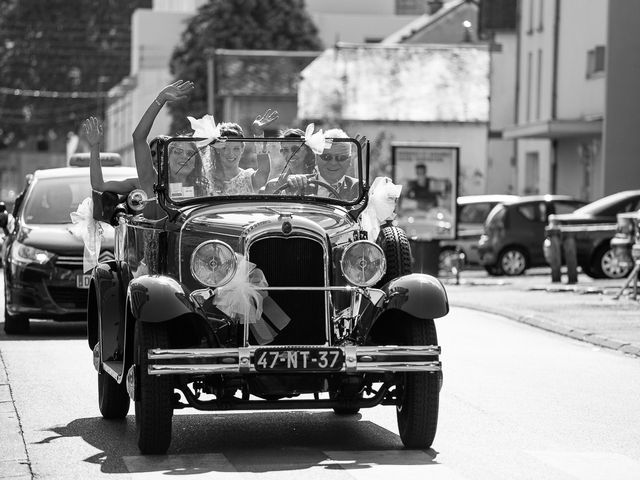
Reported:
(69, 297)
(299, 262)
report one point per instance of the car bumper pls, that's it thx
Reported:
(357, 359)
(40, 292)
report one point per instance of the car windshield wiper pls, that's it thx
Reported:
(286, 165)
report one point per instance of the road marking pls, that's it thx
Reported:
(591, 465)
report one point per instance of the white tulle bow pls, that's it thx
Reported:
(316, 141)
(383, 197)
(240, 298)
(204, 127)
(89, 230)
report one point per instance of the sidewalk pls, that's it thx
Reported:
(585, 311)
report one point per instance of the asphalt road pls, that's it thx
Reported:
(517, 403)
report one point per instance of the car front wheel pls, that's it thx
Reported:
(154, 406)
(419, 393)
(113, 398)
(512, 261)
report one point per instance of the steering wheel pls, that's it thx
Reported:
(310, 183)
(201, 182)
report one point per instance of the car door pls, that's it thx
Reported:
(530, 224)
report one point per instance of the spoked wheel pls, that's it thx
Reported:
(419, 392)
(15, 324)
(154, 406)
(512, 261)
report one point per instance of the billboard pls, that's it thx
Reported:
(428, 173)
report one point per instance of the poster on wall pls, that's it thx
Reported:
(428, 174)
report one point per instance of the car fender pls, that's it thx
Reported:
(105, 306)
(418, 294)
(156, 298)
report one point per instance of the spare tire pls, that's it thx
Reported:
(397, 251)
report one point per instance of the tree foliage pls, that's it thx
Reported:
(238, 24)
(59, 46)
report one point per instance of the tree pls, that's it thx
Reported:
(50, 49)
(241, 24)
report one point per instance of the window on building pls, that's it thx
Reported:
(410, 7)
(539, 84)
(595, 61)
(529, 85)
(540, 15)
(530, 29)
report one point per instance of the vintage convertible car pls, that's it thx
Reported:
(257, 301)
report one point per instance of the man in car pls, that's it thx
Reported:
(333, 165)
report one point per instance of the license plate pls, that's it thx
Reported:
(287, 360)
(83, 281)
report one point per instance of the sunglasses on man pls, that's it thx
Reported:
(327, 157)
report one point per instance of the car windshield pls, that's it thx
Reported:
(51, 200)
(270, 167)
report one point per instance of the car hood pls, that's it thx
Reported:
(234, 219)
(576, 218)
(61, 239)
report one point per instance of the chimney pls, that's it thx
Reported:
(434, 5)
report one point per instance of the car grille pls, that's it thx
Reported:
(294, 262)
(74, 261)
(69, 297)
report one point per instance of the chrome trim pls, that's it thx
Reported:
(356, 359)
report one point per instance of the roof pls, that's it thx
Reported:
(467, 199)
(109, 172)
(424, 83)
(423, 22)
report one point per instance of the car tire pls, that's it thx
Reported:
(512, 261)
(493, 270)
(154, 407)
(605, 264)
(345, 411)
(15, 324)
(397, 251)
(419, 393)
(113, 399)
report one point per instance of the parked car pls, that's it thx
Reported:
(472, 213)
(344, 325)
(595, 255)
(514, 232)
(43, 260)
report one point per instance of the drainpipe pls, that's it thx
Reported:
(554, 97)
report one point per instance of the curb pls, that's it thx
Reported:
(14, 460)
(544, 323)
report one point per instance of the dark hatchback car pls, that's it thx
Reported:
(242, 301)
(514, 232)
(43, 258)
(595, 255)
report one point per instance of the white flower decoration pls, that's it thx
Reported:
(205, 127)
(316, 141)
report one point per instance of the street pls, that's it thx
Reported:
(517, 402)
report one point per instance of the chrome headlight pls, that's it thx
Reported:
(21, 253)
(213, 263)
(363, 263)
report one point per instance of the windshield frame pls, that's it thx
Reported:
(360, 165)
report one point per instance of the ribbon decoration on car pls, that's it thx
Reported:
(205, 127)
(316, 141)
(383, 197)
(241, 299)
(89, 230)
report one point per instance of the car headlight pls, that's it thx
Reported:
(21, 253)
(363, 263)
(213, 263)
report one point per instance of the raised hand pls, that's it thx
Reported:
(261, 121)
(92, 129)
(176, 91)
